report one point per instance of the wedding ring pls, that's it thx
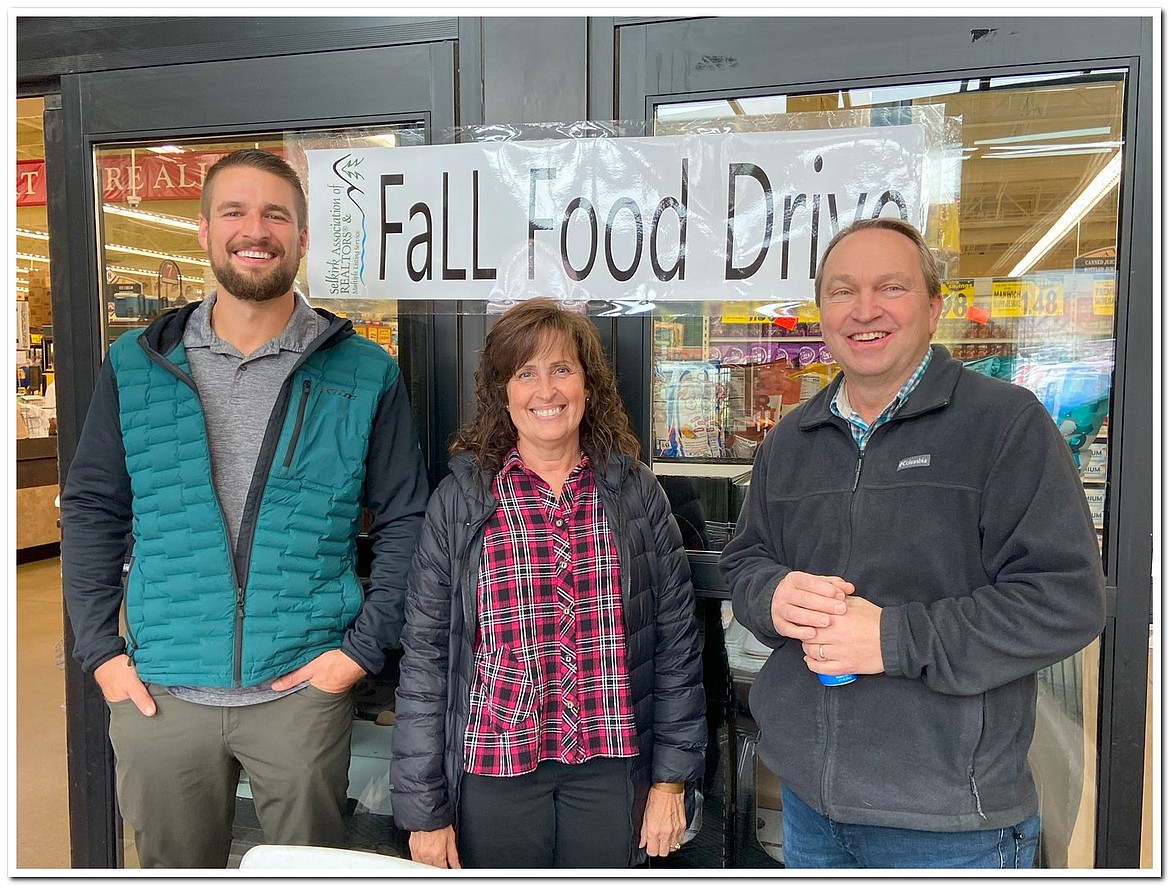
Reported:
(676, 846)
(821, 652)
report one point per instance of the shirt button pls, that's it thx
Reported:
(559, 523)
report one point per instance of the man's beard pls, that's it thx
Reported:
(255, 287)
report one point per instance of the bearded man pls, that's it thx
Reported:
(227, 454)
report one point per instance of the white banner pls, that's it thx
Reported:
(708, 217)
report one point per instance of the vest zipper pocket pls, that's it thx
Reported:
(238, 650)
(131, 644)
(296, 433)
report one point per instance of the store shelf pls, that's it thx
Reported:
(785, 339)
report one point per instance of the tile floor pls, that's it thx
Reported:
(42, 805)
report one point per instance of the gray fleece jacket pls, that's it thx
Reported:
(966, 522)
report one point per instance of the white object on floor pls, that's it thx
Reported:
(297, 857)
(770, 832)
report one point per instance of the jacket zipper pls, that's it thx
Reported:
(296, 433)
(238, 640)
(831, 696)
(131, 644)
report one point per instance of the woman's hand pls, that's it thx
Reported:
(663, 823)
(435, 848)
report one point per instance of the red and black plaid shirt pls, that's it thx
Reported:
(550, 679)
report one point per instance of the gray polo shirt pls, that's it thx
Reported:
(238, 394)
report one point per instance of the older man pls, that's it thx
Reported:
(923, 527)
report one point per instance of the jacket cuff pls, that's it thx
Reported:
(892, 630)
(760, 611)
(372, 663)
(116, 647)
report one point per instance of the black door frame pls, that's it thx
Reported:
(53, 54)
(203, 99)
(658, 61)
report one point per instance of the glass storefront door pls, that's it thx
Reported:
(1026, 246)
(130, 147)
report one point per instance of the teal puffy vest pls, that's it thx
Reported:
(190, 619)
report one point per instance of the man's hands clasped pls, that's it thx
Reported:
(839, 631)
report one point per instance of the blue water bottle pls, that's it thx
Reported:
(840, 680)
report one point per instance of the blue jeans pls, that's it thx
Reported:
(812, 840)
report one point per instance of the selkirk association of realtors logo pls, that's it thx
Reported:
(345, 266)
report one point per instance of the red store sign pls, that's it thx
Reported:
(149, 176)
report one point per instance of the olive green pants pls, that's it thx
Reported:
(177, 773)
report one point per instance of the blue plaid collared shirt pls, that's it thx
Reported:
(861, 431)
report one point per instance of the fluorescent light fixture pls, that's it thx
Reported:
(882, 95)
(142, 272)
(1040, 136)
(764, 104)
(1105, 181)
(157, 218)
(1016, 155)
(692, 111)
(1052, 146)
(1000, 82)
(150, 253)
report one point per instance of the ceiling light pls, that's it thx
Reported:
(170, 221)
(150, 253)
(143, 272)
(1016, 155)
(1105, 181)
(1038, 136)
(1024, 150)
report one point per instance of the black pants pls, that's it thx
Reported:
(558, 816)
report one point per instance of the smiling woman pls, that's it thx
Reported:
(578, 695)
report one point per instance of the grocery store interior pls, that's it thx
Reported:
(1038, 222)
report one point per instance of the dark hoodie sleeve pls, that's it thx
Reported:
(95, 526)
(396, 492)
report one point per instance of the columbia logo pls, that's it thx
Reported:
(914, 461)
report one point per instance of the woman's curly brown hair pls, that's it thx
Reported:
(517, 337)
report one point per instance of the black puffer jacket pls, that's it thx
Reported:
(662, 642)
